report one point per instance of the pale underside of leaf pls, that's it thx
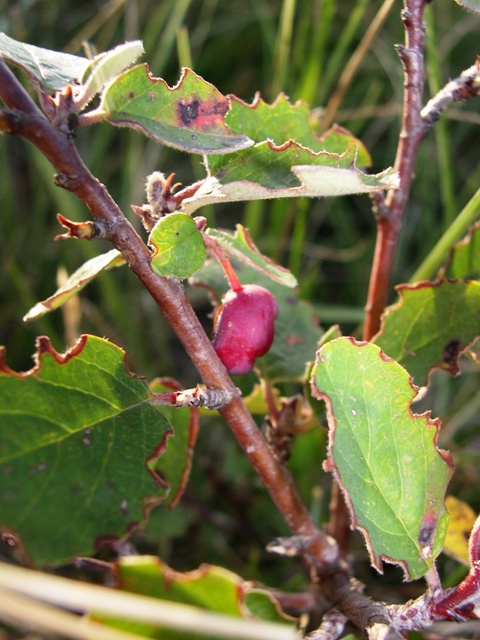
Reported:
(315, 182)
(51, 69)
(75, 283)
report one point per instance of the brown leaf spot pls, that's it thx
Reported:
(188, 111)
(451, 351)
(201, 115)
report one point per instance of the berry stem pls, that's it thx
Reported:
(221, 256)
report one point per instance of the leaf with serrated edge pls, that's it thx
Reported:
(79, 439)
(179, 250)
(189, 116)
(76, 282)
(384, 457)
(282, 122)
(53, 70)
(175, 464)
(240, 246)
(209, 587)
(306, 181)
(430, 326)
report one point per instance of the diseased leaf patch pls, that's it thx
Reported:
(384, 457)
(431, 325)
(189, 116)
(79, 437)
(282, 122)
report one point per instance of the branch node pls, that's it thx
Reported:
(82, 230)
(290, 545)
(65, 181)
(10, 121)
(213, 399)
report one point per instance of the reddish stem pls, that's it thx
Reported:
(225, 263)
(171, 297)
(390, 214)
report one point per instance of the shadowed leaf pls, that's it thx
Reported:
(240, 246)
(431, 325)
(79, 436)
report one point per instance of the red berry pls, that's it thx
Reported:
(244, 327)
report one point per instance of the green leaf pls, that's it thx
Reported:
(50, 69)
(175, 463)
(281, 122)
(464, 259)
(78, 437)
(106, 66)
(240, 246)
(384, 456)
(470, 5)
(209, 587)
(179, 250)
(430, 326)
(288, 171)
(189, 116)
(76, 282)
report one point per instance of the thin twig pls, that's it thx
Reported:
(389, 220)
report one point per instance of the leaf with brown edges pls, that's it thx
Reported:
(79, 443)
(431, 325)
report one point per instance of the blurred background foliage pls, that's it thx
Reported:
(243, 46)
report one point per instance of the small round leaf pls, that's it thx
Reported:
(179, 250)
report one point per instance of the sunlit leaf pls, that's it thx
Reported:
(179, 250)
(281, 122)
(189, 116)
(431, 325)
(384, 456)
(289, 171)
(79, 438)
(107, 66)
(50, 69)
(76, 282)
(209, 588)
